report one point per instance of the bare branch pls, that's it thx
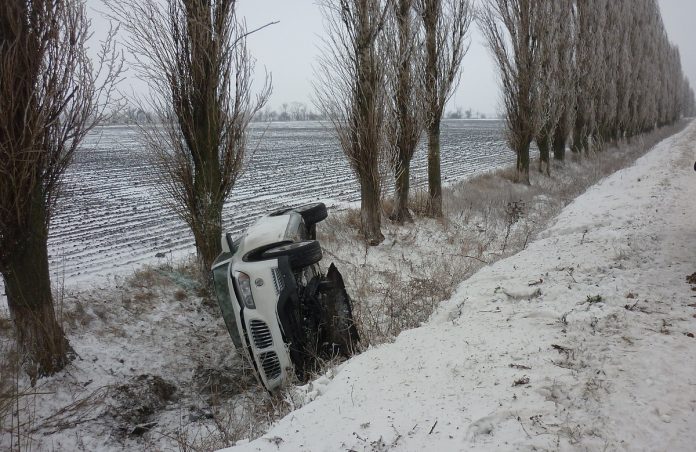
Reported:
(350, 92)
(195, 59)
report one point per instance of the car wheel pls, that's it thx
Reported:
(300, 254)
(313, 213)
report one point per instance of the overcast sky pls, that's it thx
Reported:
(289, 49)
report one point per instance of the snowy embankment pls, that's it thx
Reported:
(583, 340)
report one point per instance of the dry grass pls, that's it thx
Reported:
(15, 421)
(398, 285)
(180, 295)
(9, 369)
(245, 417)
(148, 277)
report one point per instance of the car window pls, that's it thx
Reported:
(296, 229)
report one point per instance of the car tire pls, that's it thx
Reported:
(313, 213)
(300, 254)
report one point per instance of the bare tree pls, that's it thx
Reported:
(350, 92)
(649, 75)
(606, 54)
(607, 70)
(629, 76)
(49, 100)
(446, 25)
(549, 82)
(565, 79)
(513, 30)
(588, 63)
(194, 56)
(624, 68)
(404, 124)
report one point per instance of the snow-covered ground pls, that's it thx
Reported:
(112, 219)
(583, 341)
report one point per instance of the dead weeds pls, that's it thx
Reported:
(138, 401)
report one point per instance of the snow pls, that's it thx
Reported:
(581, 341)
(131, 325)
(112, 219)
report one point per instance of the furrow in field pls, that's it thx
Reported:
(112, 217)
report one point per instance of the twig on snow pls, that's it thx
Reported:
(522, 424)
(432, 428)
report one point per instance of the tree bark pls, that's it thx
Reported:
(370, 210)
(431, 16)
(401, 213)
(434, 175)
(207, 236)
(367, 128)
(579, 141)
(559, 144)
(544, 142)
(42, 342)
(523, 163)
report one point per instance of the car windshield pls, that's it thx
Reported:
(296, 229)
(225, 301)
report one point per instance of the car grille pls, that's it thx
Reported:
(278, 281)
(261, 334)
(270, 364)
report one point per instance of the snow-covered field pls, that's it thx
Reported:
(582, 341)
(112, 219)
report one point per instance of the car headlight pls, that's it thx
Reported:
(244, 283)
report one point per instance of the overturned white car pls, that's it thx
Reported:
(279, 307)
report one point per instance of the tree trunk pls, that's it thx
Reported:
(580, 141)
(543, 143)
(207, 236)
(434, 176)
(559, 144)
(406, 120)
(41, 339)
(204, 142)
(431, 15)
(208, 180)
(579, 135)
(523, 163)
(401, 188)
(370, 210)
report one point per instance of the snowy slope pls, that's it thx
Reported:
(578, 342)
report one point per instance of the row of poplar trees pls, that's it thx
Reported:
(582, 73)
(387, 70)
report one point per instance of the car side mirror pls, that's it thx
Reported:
(227, 243)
